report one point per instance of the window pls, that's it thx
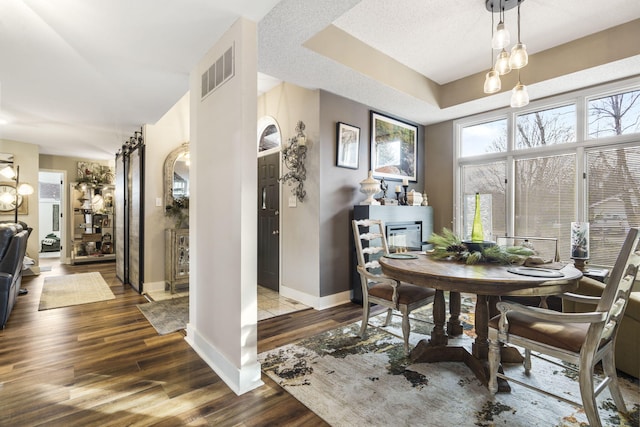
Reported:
(544, 198)
(484, 138)
(546, 127)
(489, 181)
(617, 114)
(541, 169)
(613, 199)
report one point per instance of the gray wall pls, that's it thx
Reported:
(340, 187)
(439, 173)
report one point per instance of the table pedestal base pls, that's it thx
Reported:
(425, 352)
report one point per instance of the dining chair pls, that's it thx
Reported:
(371, 243)
(582, 339)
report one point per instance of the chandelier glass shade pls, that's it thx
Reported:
(519, 57)
(519, 96)
(492, 82)
(502, 63)
(501, 38)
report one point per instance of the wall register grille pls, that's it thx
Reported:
(221, 71)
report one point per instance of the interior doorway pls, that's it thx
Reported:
(51, 201)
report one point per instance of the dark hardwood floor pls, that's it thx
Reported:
(103, 364)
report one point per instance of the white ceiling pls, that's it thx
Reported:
(78, 77)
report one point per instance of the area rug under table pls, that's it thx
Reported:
(352, 382)
(167, 316)
(74, 289)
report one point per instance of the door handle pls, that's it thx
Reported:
(277, 212)
(275, 232)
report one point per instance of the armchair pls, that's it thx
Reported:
(13, 246)
(378, 288)
(583, 339)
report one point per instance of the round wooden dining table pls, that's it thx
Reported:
(488, 282)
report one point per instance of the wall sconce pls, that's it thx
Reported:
(13, 172)
(294, 154)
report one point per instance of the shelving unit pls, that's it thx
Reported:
(92, 238)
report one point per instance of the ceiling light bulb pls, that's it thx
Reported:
(519, 57)
(519, 96)
(501, 38)
(492, 82)
(502, 63)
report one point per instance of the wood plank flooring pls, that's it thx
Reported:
(103, 364)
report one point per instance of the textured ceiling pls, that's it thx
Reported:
(79, 76)
(446, 41)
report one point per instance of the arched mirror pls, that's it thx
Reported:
(176, 175)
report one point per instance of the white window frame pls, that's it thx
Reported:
(580, 147)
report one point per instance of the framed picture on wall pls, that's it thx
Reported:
(348, 146)
(394, 146)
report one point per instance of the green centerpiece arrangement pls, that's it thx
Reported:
(448, 245)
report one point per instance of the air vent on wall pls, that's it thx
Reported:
(220, 72)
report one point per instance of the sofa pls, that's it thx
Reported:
(51, 243)
(628, 339)
(13, 247)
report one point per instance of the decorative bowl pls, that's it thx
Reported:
(478, 246)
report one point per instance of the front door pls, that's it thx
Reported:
(268, 221)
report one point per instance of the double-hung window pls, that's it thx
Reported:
(575, 157)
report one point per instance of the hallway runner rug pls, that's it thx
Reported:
(74, 289)
(352, 382)
(168, 315)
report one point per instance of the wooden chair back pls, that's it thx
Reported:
(616, 293)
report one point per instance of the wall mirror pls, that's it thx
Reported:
(176, 174)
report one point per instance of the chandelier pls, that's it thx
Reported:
(505, 61)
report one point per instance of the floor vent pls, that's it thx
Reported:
(221, 71)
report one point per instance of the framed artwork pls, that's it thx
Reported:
(348, 146)
(394, 146)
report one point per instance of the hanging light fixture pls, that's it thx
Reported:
(505, 62)
(492, 82)
(519, 57)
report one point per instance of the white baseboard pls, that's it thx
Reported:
(319, 303)
(239, 380)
